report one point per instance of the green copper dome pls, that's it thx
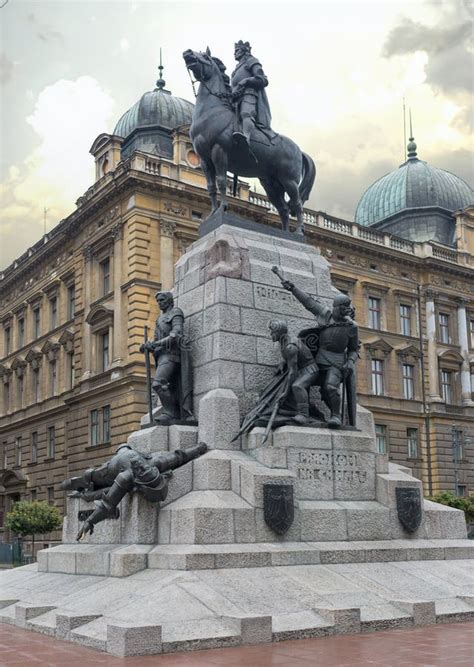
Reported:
(155, 108)
(148, 125)
(415, 201)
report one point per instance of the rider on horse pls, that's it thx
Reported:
(248, 93)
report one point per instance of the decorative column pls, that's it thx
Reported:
(464, 345)
(433, 371)
(167, 228)
(118, 334)
(86, 301)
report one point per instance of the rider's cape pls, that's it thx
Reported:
(245, 69)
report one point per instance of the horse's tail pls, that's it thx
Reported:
(309, 175)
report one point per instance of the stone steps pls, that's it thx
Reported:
(92, 634)
(45, 624)
(220, 556)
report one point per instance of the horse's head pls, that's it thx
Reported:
(202, 65)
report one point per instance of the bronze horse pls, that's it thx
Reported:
(275, 160)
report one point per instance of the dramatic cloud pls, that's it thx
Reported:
(68, 115)
(448, 44)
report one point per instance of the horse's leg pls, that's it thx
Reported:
(210, 174)
(296, 205)
(219, 158)
(276, 195)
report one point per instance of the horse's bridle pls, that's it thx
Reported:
(221, 96)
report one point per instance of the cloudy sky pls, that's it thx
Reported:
(338, 74)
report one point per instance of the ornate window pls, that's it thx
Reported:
(100, 425)
(446, 385)
(7, 334)
(443, 323)
(53, 377)
(104, 352)
(94, 427)
(18, 450)
(375, 319)
(405, 319)
(51, 442)
(21, 331)
(71, 301)
(53, 312)
(36, 322)
(377, 377)
(34, 447)
(381, 438)
(412, 443)
(408, 379)
(105, 276)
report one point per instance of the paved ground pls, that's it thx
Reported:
(432, 646)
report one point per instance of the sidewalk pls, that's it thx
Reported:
(431, 646)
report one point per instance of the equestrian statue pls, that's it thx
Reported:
(231, 132)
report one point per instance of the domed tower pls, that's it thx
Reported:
(147, 126)
(416, 201)
(149, 123)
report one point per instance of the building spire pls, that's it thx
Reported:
(411, 147)
(161, 83)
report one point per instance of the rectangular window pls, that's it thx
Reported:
(381, 438)
(18, 450)
(21, 332)
(106, 423)
(458, 444)
(105, 271)
(104, 351)
(53, 377)
(412, 443)
(34, 447)
(70, 370)
(20, 386)
(53, 310)
(461, 490)
(6, 397)
(36, 322)
(405, 319)
(94, 427)
(444, 336)
(377, 377)
(8, 340)
(34, 495)
(447, 386)
(5, 455)
(374, 313)
(408, 381)
(50, 495)
(36, 385)
(51, 442)
(71, 301)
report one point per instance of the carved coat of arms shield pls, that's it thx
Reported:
(278, 507)
(409, 507)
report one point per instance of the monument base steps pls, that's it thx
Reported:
(308, 602)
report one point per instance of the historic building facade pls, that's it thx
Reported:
(74, 306)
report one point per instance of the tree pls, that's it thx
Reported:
(32, 518)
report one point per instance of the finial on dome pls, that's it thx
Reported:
(411, 147)
(161, 83)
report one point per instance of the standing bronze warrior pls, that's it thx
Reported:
(173, 377)
(248, 83)
(337, 350)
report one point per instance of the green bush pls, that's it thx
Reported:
(466, 504)
(32, 518)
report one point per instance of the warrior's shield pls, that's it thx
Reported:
(278, 507)
(409, 507)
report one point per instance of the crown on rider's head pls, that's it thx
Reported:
(243, 45)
